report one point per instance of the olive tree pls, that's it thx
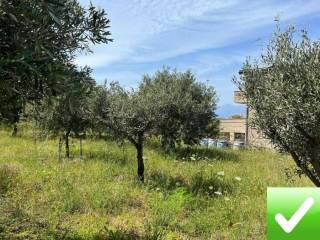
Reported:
(69, 112)
(129, 115)
(171, 105)
(282, 87)
(185, 107)
(212, 130)
(38, 41)
(11, 108)
(99, 105)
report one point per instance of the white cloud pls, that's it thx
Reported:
(153, 30)
(167, 14)
(212, 37)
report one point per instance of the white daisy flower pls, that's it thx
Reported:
(221, 173)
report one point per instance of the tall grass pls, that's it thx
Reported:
(192, 194)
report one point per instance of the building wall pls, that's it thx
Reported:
(229, 127)
(254, 138)
(232, 126)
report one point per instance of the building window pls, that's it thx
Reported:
(240, 136)
(225, 135)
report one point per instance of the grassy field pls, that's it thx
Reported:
(192, 194)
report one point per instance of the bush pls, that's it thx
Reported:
(9, 177)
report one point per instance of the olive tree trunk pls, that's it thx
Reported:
(139, 148)
(67, 144)
(59, 148)
(14, 130)
(81, 151)
(140, 162)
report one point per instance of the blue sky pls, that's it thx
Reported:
(211, 37)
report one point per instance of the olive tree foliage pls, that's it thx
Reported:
(185, 107)
(69, 112)
(171, 105)
(283, 89)
(129, 115)
(212, 130)
(11, 108)
(99, 106)
(38, 40)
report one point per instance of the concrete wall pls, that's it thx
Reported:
(232, 126)
(255, 138)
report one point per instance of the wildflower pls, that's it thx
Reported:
(218, 193)
(210, 187)
(238, 179)
(157, 189)
(227, 199)
(221, 173)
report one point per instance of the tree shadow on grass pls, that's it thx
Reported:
(106, 234)
(119, 156)
(30, 228)
(197, 185)
(208, 154)
(120, 234)
(116, 235)
(125, 154)
(194, 153)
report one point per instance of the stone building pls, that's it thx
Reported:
(239, 129)
(233, 129)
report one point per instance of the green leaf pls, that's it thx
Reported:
(13, 17)
(57, 20)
